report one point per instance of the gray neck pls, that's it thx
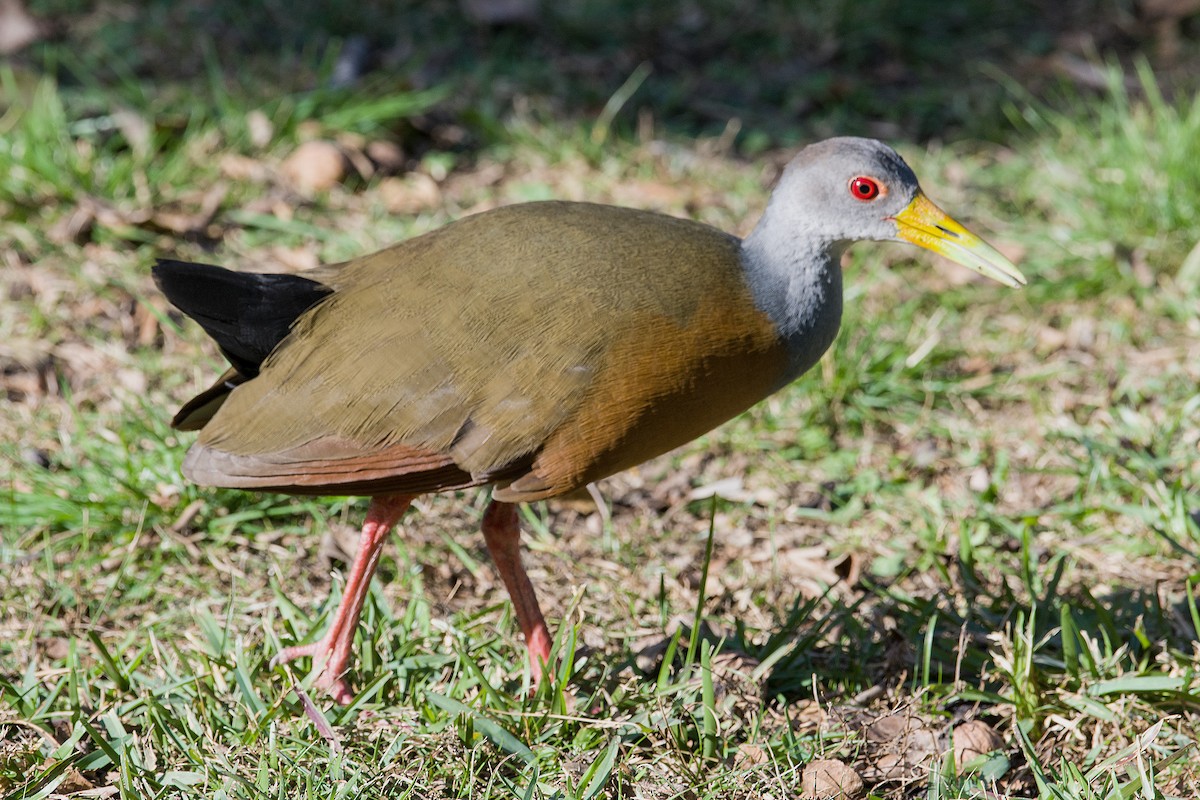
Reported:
(797, 282)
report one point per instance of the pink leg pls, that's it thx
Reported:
(331, 654)
(502, 533)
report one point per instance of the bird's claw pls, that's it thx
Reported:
(296, 651)
(328, 681)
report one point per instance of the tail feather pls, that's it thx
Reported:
(248, 314)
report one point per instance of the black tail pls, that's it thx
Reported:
(246, 313)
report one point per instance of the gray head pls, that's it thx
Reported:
(844, 190)
(851, 189)
(833, 193)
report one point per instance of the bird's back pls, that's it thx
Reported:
(546, 344)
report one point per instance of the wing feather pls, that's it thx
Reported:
(452, 359)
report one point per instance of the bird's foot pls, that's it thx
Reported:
(337, 688)
(328, 667)
(538, 646)
(297, 651)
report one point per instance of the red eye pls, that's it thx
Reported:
(864, 188)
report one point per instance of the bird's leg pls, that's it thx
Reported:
(331, 653)
(502, 533)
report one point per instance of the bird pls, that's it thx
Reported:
(533, 349)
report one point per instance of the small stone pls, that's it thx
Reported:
(830, 778)
(314, 166)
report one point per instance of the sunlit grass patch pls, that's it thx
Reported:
(980, 508)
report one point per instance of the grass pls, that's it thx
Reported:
(981, 505)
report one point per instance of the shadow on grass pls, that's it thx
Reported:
(785, 71)
(891, 640)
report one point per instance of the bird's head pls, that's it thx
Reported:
(850, 189)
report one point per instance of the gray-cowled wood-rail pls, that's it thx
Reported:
(534, 349)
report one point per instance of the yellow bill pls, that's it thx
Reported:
(926, 225)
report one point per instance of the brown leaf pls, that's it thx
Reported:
(411, 194)
(905, 742)
(191, 214)
(750, 755)
(649, 654)
(243, 168)
(136, 129)
(386, 155)
(339, 543)
(889, 728)
(814, 571)
(55, 648)
(24, 353)
(973, 739)
(74, 782)
(648, 194)
(146, 322)
(888, 767)
(292, 259)
(830, 778)
(733, 674)
(848, 568)
(73, 228)
(77, 226)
